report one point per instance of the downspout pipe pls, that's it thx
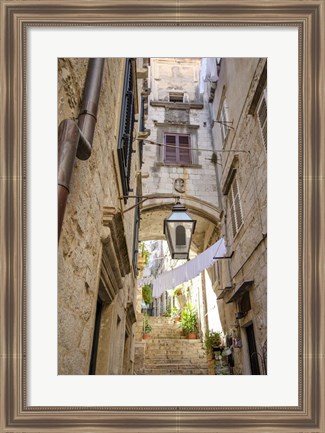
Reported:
(89, 107)
(77, 139)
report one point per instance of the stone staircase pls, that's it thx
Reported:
(168, 352)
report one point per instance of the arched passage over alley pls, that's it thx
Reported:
(207, 216)
(167, 351)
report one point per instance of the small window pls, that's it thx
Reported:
(244, 304)
(262, 117)
(235, 207)
(177, 149)
(176, 97)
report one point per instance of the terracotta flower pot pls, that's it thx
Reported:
(192, 336)
(146, 336)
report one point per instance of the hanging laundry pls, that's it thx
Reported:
(189, 270)
(208, 71)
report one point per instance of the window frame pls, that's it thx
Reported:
(125, 137)
(177, 160)
(235, 207)
(263, 128)
(177, 96)
(223, 119)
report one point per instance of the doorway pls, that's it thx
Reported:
(93, 359)
(253, 356)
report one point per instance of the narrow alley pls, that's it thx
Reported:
(162, 228)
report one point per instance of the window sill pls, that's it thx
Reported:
(238, 231)
(177, 105)
(176, 164)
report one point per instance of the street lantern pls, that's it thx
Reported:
(178, 229)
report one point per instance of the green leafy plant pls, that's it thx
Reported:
(144, 253)
(147, 294)
(146, 325)
(175, 312)
(212, 339)
(189, 319)
(167, 313)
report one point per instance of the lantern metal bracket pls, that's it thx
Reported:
(145, 198)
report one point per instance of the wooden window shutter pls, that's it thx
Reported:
(262, 118)
(170, 149)
(178, 149)
(235, 207)
(125, 139)
(184, 149)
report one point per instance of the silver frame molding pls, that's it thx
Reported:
(306, 15)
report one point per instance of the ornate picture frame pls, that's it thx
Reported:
(16, 17)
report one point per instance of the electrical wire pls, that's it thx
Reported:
(156, 143)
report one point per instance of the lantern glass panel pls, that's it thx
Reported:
(179, 234)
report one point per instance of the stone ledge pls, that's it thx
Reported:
(185, 125)
(177, 105)
(163, 164)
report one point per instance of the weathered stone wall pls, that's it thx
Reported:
(238, 83)
(95, 184)
(198, 187)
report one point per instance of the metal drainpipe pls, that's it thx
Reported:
(76, 140)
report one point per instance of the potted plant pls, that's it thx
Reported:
(143, 256)
(147, 328)
(189, 322)
(212, 341)
(147, 294)
(176, 314)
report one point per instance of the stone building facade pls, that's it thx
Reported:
(177, 157)
(96, 253)
(238, 108)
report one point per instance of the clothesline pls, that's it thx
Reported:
(171, 279)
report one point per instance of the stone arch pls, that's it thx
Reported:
(154, 211)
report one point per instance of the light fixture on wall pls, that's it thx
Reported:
(178, 229)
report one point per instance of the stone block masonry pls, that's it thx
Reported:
(92, 298)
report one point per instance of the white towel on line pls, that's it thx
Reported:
(175, 277)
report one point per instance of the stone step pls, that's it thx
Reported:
(182, 368)
(166, 335)
(177, 357)
(182, 361)
(196, 357)
(177, 361)
(168, 349)
(177, 345)
(172, 352)
(172, 371)
(184, 349)
(184, 341)
(175, 366)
